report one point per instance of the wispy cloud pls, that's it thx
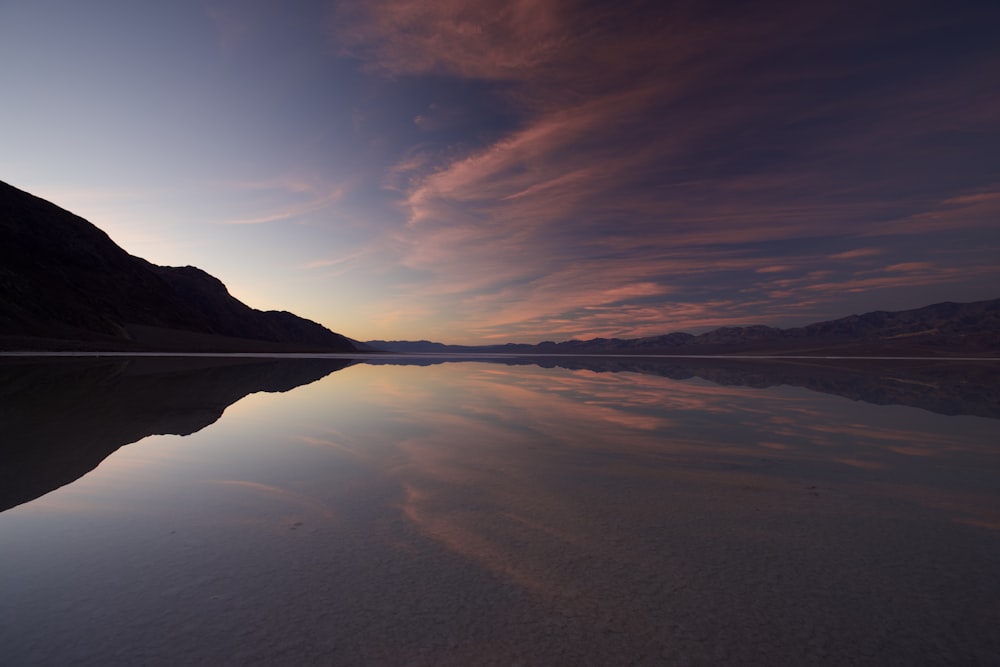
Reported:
(490, 39)
(667, 157)
(288, 197)
(973, 210)
(857, 253)
(333, 267)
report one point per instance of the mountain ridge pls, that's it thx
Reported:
(65, 284)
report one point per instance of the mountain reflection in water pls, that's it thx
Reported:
(600, 511)
(61, 418)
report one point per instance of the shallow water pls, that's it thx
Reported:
(598, 512)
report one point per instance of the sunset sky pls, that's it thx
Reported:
(527, 170)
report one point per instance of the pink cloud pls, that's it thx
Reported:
(976, 210)
(905, 279)
(491, 39)
(857, 253)
(908, 267)
(600, 201)
(288, 196)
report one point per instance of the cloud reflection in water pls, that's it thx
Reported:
(453, 512)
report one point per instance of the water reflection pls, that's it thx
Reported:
(61, 418)
(945, 386)
(490, 513)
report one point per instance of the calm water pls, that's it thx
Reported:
(602, 512)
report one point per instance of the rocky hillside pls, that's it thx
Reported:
(64, 284)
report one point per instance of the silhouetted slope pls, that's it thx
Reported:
(940, 329)
(63, 279)
(61, 418)
(231, 317)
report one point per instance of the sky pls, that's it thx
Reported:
(524, 170)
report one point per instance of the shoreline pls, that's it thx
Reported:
(477, 355)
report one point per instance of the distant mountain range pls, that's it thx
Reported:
(942, 329)
(65, 285)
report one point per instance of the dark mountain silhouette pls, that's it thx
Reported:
(60, 418)
(64, 284)
(426, 346)
(941, 329)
